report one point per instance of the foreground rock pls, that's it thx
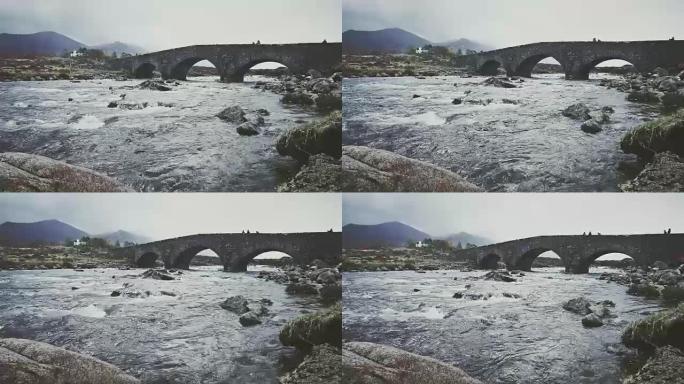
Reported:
(322, 327)
(368, 363)
(665, 367)
(31, 362)
(375, 170)
(22, 172)
(660, 329)
(661, 135)
(155, 85)
(665, 173)
(157, 275)
(321, 173)
(577, 112)
(319, 137)
(234, 114)
(321, 366)
(594, 313)
(498, 82)
(504, 276)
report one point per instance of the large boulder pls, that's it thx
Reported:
(643, 95)
(368, 363)
(666, 366)
(234, 114)
(23, 172)
(306, 331)
(32, 362)
(661, 135)
(247, 129)
(155, 85)
(591, 126)
(499, 82)
(577, 111)
(324, 136)
(578, 305)
(236, 304)
(375, 170)
(659, 329)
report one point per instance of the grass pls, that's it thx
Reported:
(324, 326)
(659, 329)
(663, 134)
(322, 136)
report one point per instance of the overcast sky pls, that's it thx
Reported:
(165, 215)
(502, 23)
(163, 24)
(508, 216)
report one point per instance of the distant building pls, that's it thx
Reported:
(422, 50)
(421, 244)
(79, 243)
(76, 54)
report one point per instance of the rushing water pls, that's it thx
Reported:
(178, 145)
(530, 339)
(528, 146)
(160, 339)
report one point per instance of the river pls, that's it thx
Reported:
(526, 147)
(502, 340)
(188, 338)
(178, 145)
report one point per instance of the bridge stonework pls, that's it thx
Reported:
(236, 250)
(578, 252)
(577, 58)
(232, 61)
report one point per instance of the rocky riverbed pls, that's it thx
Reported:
(160, 136)
(533, 327)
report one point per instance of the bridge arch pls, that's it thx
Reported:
(240, 265)
(490, 67)
(490, 261)
(180, 70)
(147, 260)
(144, 71)
(586, 67)
(184, 258)
(242, 70)
(524, 262)
(526, 66)
(585, 263)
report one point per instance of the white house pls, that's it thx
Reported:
(421, 244)
(421, 50)
(76, 54)
(79, 243)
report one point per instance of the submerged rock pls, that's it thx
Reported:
(22, 172)
(324, 326)
(32, 362)
(324, 136)
(367, 169)
(369, 363)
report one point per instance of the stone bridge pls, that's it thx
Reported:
(236, 250)
(577, 57)
(578, 252)
(234, 60)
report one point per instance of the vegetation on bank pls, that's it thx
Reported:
(661, 135)
(398, 259)
(657, 330)
(322, 136)
(307, 331)
(59, 257)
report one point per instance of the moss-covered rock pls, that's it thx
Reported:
(324, 326)
(672, 295)
(659, 329)
(663, 134)
(324, 136)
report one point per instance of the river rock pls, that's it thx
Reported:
(643, 95)
(247, 129)
(504, 276)
(592, 320)
(591, 126)
(249, 319)
(297, 98)
(301, 288)
(157, 275)
(578, 305)
(324, 136)
(330, 293)
(23, 172)
(369, 363)
(665, 173)
(367, 169)
(666, 366)
(577, 111)
(498, 82)
(234, 114)
(321, 173)
(154, 85)
(236, 304)
(324, 326)
(32, 362)
(321, 366)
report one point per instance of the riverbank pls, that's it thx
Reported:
(395, 65)
(42, 68)
(399, 259)
(58, 257)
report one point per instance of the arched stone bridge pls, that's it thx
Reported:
(234, 60)
(577, 57)
(236, 250)
(578, 252)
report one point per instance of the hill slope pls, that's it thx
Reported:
(119, 47)
(41, 43)
(392, 234)
(393, 40)
(465, 238)
(122, 237)
(464, 45)
(43, 232)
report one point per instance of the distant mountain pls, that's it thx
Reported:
(41, 44)
(41, 232)
(393, 234)
(393, 40)
(123, 237)
(119, 47)
(464, 45)
(465, 238)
